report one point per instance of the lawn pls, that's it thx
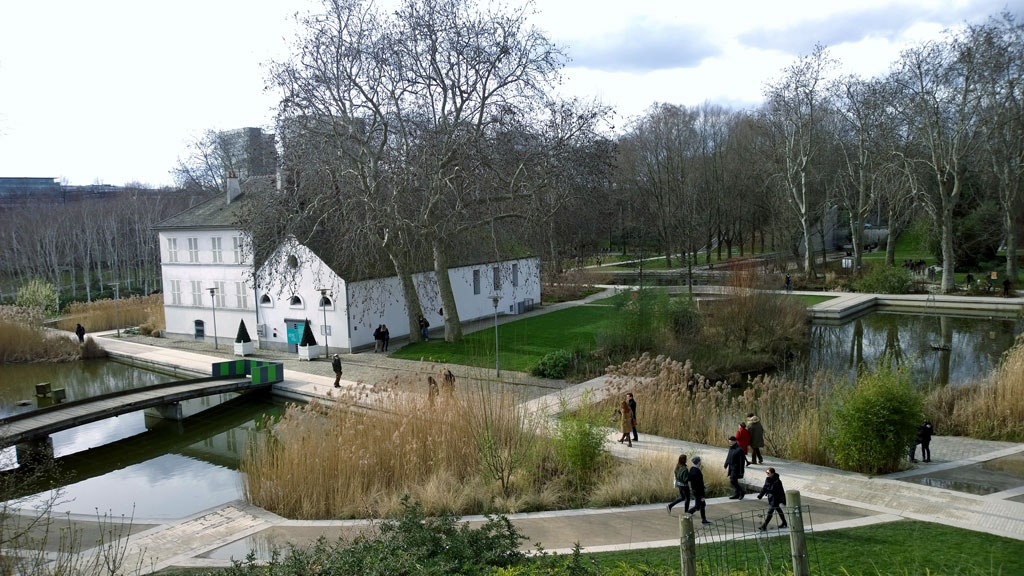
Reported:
(521, 343)
(895, 548)
(812, 299)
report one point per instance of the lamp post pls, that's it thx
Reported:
(497, 365)
(213, 306)
(323, 306)
(117, 295)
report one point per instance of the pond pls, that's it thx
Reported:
(135, 464)
(939, 349)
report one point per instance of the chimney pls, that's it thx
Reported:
(234, 190)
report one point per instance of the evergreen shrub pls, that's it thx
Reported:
(885, 280)
(307, 336)
(243, 334)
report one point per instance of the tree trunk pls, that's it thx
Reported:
(452, 324)
(412, 298)
(890, 241)
(948, 259)
(1011, 245)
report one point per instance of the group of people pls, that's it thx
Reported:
(447, 386)
(627, 420)
(381, 338)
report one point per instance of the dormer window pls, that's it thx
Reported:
(293, 261)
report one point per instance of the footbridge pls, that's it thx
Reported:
(233, 376)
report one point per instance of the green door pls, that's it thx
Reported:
(295, 328)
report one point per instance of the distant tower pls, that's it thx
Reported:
(248, 152)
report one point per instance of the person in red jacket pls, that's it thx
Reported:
(743, 439)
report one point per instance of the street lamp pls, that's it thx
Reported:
(497, 365)
(117, 295)
(213, 306)
(323, 306)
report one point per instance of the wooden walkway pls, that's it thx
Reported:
(46, 421)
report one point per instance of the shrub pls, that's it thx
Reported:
(307, 336)
(885, 280)
(411, 544)
(243, 334)
(579, 445)
(553, 364)
(39, 295)
(874, 422)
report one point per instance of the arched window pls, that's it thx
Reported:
(295, 302)
(200, 330)
(266, 301)
(325, 302)
(293, 261)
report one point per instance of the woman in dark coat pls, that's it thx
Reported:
(776, 498)
(680, 479)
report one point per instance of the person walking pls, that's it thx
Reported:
(789, 283)
(696, 478)
(735, 461)
(625, 423)
(80, 332)
(378, 339)
(632, 406)
(681, 479)
(386, 336)
(424, 327)
(336, 366)
(776, 498)
(756, 438)
(432, 391)
(743, 439)
(924, 438)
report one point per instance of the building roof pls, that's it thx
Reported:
(213, 213)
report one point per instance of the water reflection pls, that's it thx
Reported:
(938, 349)
(136, 464)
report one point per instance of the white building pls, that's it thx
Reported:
(201, 249)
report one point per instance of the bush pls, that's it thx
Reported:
(307, 336)
(243, 334)
(39, 295)
(874, 422)
(885, 280)
(579, 445)
(412, 544)
(553, 364)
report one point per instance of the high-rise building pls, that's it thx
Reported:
(248, 152)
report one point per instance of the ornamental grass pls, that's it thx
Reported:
(146, 312)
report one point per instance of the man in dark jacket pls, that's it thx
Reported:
(924, 438)
(776, 498)
(336, 366)
(735, 461)
(696, 480)
(756, 438)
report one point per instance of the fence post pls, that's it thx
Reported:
(687, 546)
(797, 544)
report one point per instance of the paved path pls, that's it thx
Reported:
(837, 499)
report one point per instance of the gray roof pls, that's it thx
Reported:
(212, 213)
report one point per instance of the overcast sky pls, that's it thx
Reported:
(112, 91)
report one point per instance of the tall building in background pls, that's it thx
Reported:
(248, 152)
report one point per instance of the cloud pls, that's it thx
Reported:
(642, 47)
(888, 22)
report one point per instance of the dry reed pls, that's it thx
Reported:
(991, 409)
(105, 315)
(676, 402)
(22, 339)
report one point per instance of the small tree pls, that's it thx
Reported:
(874, 423)
(307, 336)
(40, 295)
(243, 334)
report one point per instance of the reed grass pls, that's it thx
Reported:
(22, 339)
(676, 402)
(142, 311)
(991, 409)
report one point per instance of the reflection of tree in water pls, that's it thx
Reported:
(976, 345)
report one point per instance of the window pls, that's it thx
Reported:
(172, 249)
(220, 294)
(241, 295)
(515, 274)
(293, 262)
(295, 302)
(476, 281)
(175, 292)
(236, 247)
(216, 248)
(497, 278)
(197, 293)
(193, 250)
(266, 301)
(325, 302)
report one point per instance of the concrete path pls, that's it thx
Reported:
(837, 499)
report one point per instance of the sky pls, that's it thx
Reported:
(113, 91)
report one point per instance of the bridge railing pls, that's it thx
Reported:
(262, 371)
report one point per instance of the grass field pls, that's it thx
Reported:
(896, 548)
(521, 344)
(811, 299)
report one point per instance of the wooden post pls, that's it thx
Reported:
(797, 544)
(687, 546)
